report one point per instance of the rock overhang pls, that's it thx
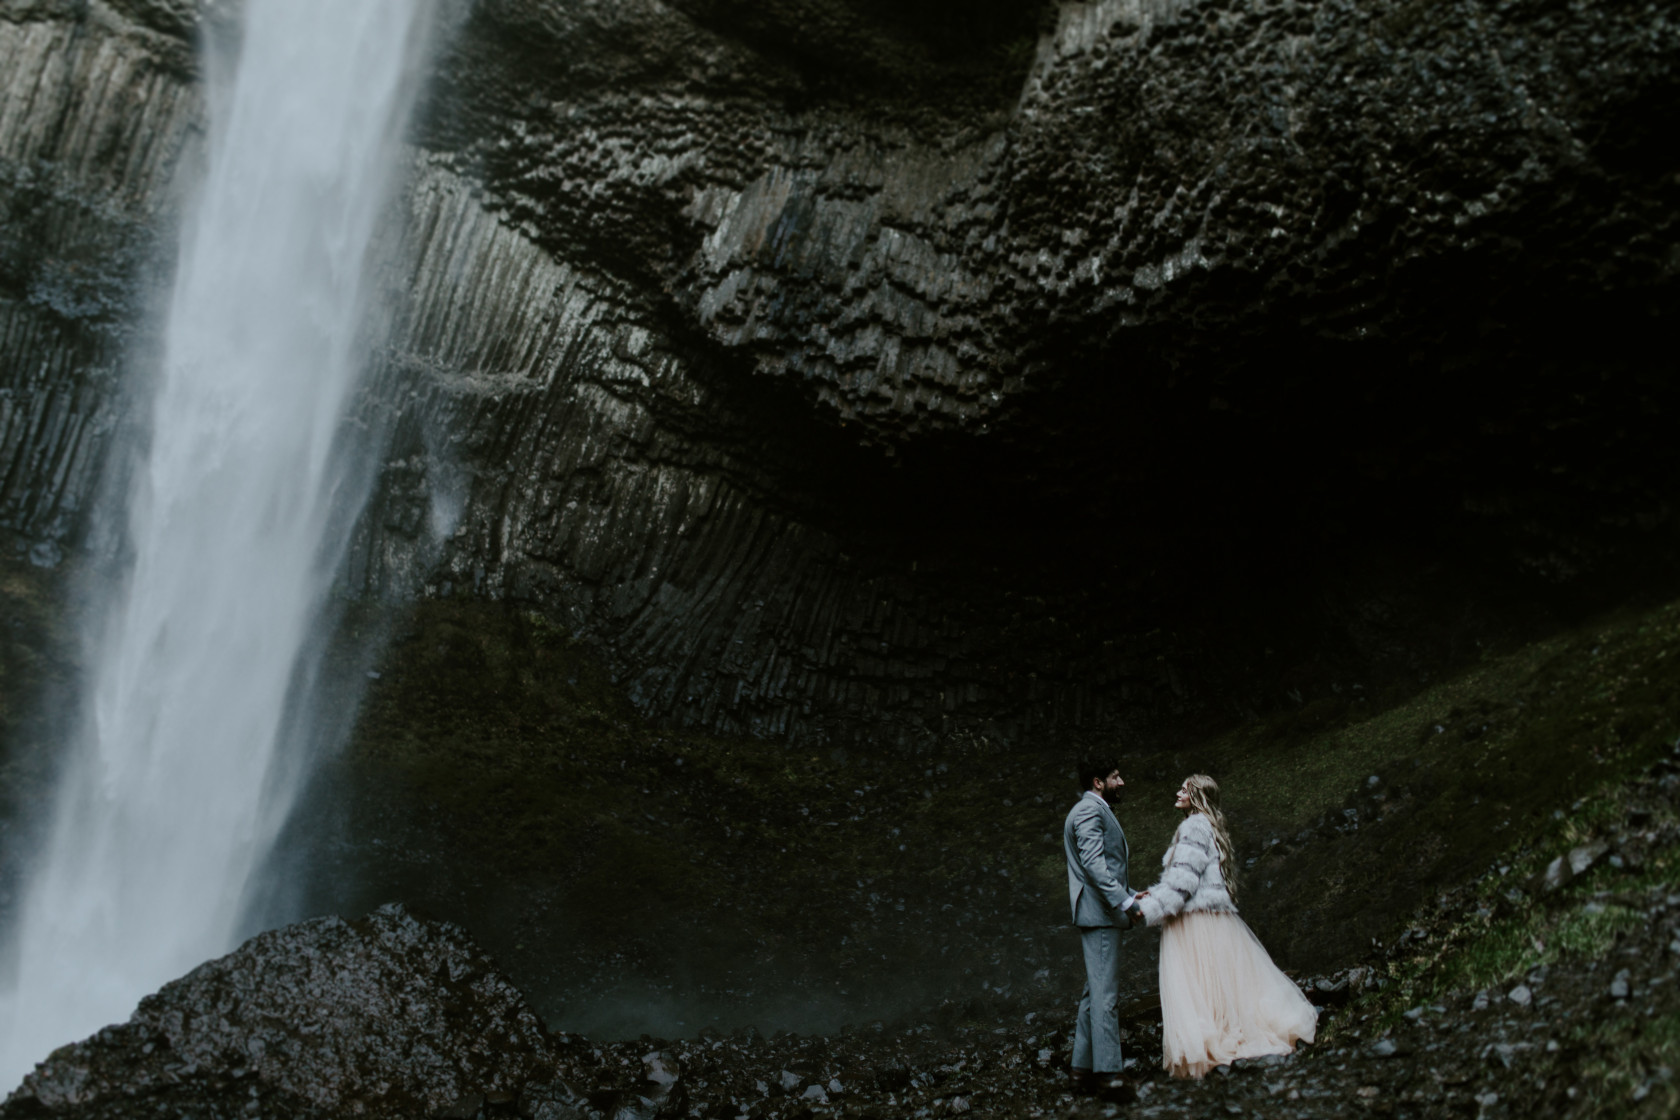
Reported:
(696, 329)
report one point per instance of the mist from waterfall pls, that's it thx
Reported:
(239, 515)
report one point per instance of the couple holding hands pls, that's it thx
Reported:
(1222, 998)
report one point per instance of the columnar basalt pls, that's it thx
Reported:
(98, 115)
(843, 369)
(1215, 165)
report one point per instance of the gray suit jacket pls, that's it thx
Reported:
(1096, 862)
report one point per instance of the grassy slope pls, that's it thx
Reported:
(1614, 1058)
(715, 860)
(1466, 768)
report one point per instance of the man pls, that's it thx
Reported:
(1096, 865)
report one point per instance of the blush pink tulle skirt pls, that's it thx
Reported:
(1222, 998)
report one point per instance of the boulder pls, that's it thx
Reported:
(388, 1016)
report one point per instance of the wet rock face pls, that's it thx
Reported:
(1226, 166)
(954, 412)
(97, 115)
(851, 370)
(386, 1016)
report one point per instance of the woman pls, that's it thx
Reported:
(1222, 998)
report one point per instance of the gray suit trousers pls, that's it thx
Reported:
(1096, 1033)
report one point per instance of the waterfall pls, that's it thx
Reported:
(238, 517)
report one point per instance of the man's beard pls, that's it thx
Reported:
(1114, 796)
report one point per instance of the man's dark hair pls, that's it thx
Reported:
(1095, 766)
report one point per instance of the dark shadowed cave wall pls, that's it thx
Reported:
(851, 371)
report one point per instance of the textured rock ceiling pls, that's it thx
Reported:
(920, 241)
(843, 368)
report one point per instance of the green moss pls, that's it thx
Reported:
(1505, 950)
(1632, 1071)
(1495, 931)
(1588, 932)
(1478, 762)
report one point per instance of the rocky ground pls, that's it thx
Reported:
(1510, 996)
(1545, 986)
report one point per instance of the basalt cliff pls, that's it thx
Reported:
(843, 369)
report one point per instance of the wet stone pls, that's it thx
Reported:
(464, 1108)
(1583, 857)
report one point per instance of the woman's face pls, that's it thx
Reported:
(1183, 799)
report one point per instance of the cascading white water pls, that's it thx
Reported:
(236, 522)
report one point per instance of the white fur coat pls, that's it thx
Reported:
(1191, 880)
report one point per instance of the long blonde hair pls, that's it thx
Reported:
(1203, 795)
